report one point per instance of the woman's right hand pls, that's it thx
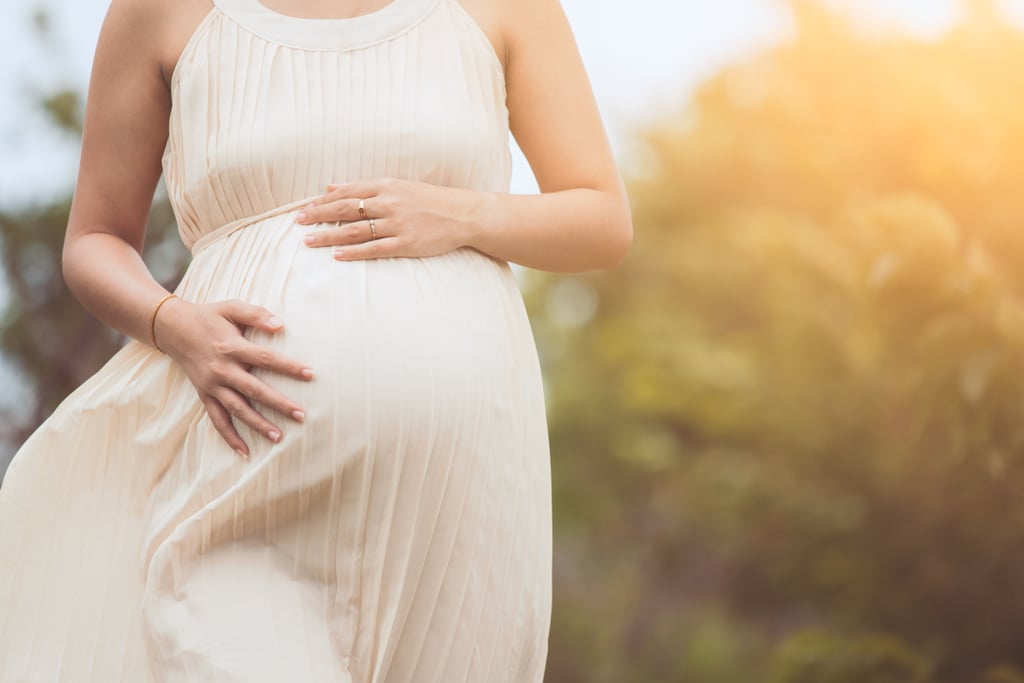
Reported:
(207, 341)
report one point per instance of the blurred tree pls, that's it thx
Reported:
(788, 434)
(54, 343)
(45, 334)
(816, 658)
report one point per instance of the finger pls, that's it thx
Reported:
(329, 211)
(221, 420)
(240, 409)
(251, 315)
(350, 233)
(354, 190)
(256, 390)
(387, 247)
(255, 355)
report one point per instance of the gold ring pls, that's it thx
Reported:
(373, 230)
(362, 208)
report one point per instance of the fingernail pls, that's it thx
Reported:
(307, 373)
(241, 453)
(274, 435)
(298, 415)
(309, 239)
(338, 253)
(274, 321)
(301, 217)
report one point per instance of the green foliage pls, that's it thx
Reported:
(800, 403)
(45, 333)
(812, 657)
(64, 109)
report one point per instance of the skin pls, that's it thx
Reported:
(580, 221)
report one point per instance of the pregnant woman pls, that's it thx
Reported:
(324, 456)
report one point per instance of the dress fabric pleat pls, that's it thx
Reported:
(402, 533)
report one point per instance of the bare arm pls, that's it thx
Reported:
(126, 125)
(125, 130)
(581, 219)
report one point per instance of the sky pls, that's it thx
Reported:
(643, 57)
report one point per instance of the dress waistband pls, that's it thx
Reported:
(228, 228)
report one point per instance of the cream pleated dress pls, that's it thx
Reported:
(402, 533)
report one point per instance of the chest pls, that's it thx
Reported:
(428, 104)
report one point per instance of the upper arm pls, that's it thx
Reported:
(552, 110)
(125, 126)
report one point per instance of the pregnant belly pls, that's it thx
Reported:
(401, 348)
(424, 438)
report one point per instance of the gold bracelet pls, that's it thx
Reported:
(152, 321)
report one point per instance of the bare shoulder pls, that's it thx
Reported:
(132, 29)
(491, 16)
(180, 20)
(151, 33)
(528, 32)
(525, 21)
(553, 112)
(126, 114)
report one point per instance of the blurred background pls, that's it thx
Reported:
(788, 433)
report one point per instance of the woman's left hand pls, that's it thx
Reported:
(410, 219)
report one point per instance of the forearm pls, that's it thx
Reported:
(569, 231)
(109, 278)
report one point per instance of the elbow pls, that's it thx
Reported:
(70, 258)
(620, 240)
(66, 267)
(69, 267)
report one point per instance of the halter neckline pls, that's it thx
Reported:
(327, 33)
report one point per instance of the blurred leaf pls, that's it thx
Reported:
(64, 109)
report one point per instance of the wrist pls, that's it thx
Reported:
(479, 218)
(167, 321)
